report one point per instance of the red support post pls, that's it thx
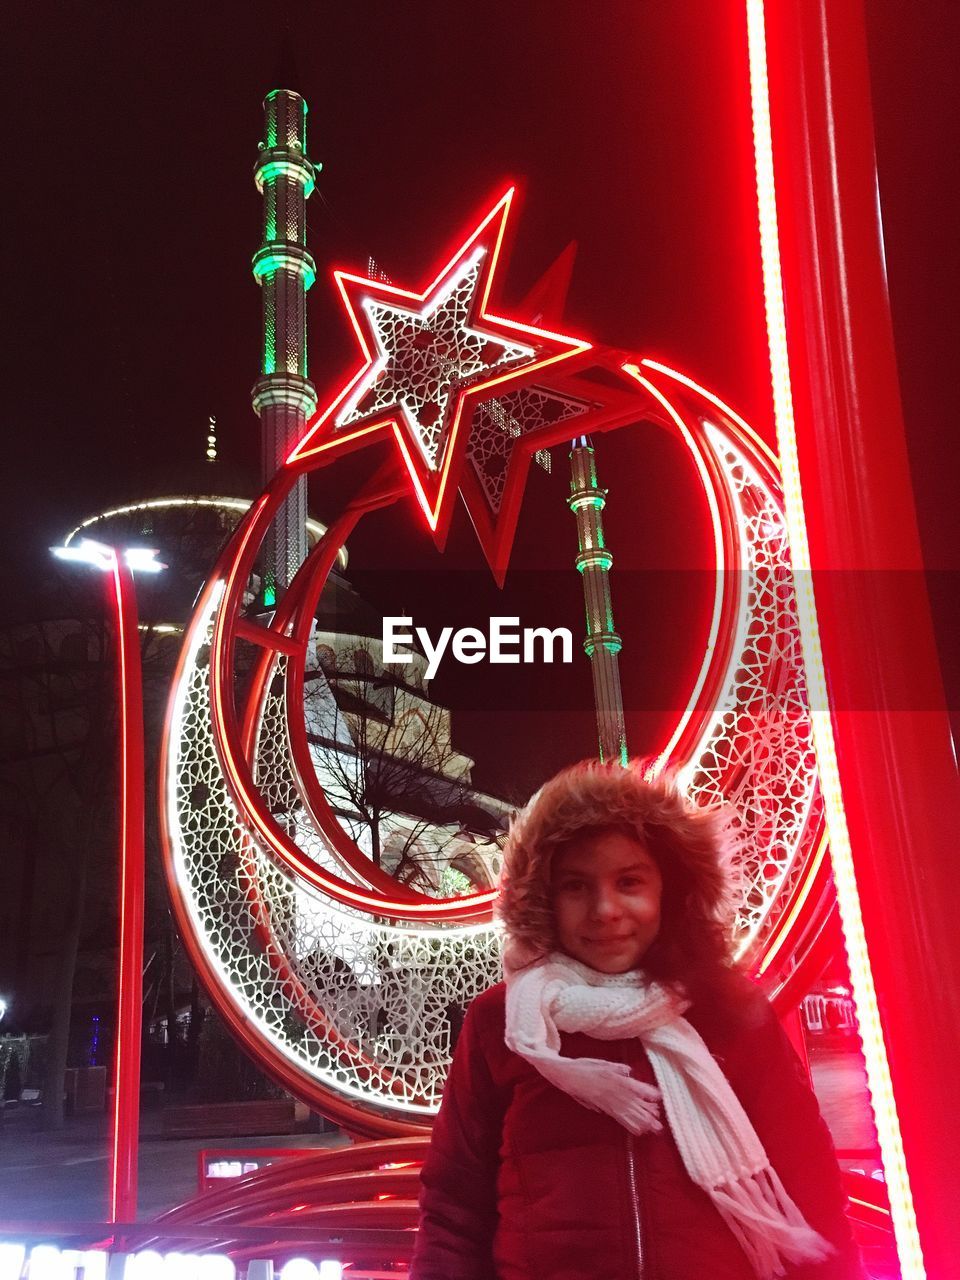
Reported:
(126, 1116)
(838, 409)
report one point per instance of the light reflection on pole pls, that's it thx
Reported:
(121, 565)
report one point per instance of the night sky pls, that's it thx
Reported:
(131, 313)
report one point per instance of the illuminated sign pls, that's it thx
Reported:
(506, 643)
(47, 1262)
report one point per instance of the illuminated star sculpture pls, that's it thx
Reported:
(430, 359)
(273, 893)
(426, 357)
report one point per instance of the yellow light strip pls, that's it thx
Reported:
(785, 925)
(861, 975)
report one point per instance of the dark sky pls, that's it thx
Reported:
(131, 216)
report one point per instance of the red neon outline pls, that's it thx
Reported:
(237, 561)
(813, 897)
(229, 745)
(245, 540)
(756, 440)
(769, 167)
(438, 508)
(703, 698)
(502, 205)
(683, 744)
(346, 1112)
(126, 1105)
(289, 616)
(800, 909)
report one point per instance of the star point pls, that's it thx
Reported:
(430, 358)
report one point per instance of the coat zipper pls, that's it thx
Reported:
(635, 1199)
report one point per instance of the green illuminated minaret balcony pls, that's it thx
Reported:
(281, 255)
(282, 162)
(583, 498)
(610, 641)
(595, 558)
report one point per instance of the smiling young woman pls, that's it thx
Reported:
(626, 1103)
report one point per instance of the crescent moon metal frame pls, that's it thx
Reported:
(337, 979)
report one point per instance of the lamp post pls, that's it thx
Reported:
(121, 564)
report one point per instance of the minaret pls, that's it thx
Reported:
(602, 644)
(283, 396)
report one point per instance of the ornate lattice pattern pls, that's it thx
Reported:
(497, 423)
(367, 1008)
(275, 777)
(757, 754)
(284, 321)
(285, 546)
(425, 359)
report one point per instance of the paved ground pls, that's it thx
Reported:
(64, 1175)
(841, 1084)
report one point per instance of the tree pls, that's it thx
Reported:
(58, 777)
(57, 773)
(384, 755)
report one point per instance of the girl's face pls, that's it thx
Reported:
(606, 892)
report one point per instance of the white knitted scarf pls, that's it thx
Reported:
(718, 1145)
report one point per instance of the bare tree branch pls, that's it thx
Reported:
(384, 755)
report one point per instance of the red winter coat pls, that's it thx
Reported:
(523, 1183)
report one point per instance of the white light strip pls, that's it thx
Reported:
(756, 440)
(721, 570)
(100, 556)
(861, 975)
(401, 939)
(142, 560)
(370, 306)
(240, 505)
(95, 554)
(748, 559)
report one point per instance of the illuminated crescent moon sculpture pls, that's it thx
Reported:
(339, 980)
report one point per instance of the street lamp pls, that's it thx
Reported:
(121, 564)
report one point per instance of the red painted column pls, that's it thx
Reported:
(897, 770)
(126, 1117)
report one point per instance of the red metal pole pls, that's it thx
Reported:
(838, 408)
(126, 1117)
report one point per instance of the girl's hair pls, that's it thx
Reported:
(687, 842)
